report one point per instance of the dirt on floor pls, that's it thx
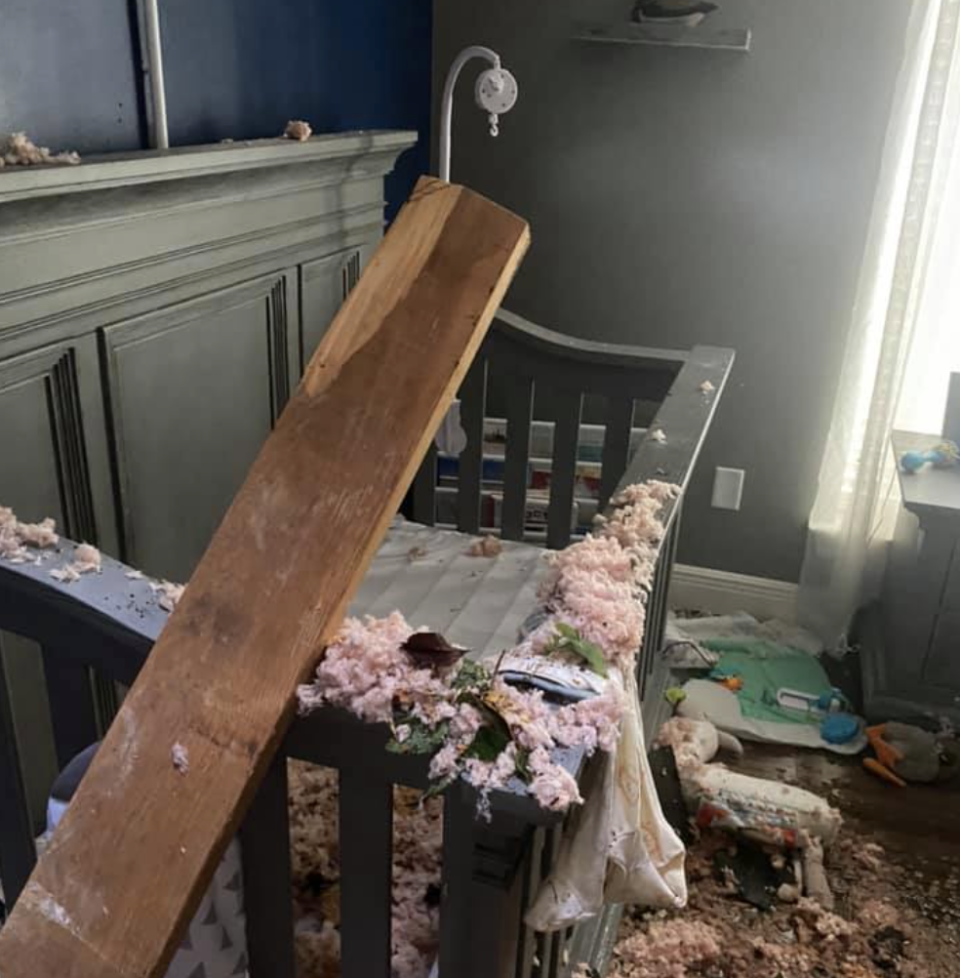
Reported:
(895, 874)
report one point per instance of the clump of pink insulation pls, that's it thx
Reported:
(19, 150)
(298, 130)
(674, 948)
(487, 546)
(17, 539)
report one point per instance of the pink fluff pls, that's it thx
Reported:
(365, 669)
(591, 723)
(554, 788)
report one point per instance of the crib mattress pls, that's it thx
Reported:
(428, 575)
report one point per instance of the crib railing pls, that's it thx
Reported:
(491, 871)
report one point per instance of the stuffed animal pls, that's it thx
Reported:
(942, 456)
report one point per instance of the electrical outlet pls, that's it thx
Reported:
(728, 488)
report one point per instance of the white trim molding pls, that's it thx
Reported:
(723, 593)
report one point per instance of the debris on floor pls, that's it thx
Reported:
(17, 149)
(893, 875)
(718, 797)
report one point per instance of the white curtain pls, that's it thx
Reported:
(904, 339)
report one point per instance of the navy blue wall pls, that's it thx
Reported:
(68, 74)
(234, 69)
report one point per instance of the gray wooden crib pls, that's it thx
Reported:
(590, 409)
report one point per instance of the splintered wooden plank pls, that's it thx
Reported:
(133, 854)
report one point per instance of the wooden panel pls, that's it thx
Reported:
(137, 846)
(366, 854)
(470, 473)
(563, 475)
(324, 285)
(194, 391)
(267, 893)
(519, 404)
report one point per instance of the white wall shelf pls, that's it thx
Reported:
(664, 35)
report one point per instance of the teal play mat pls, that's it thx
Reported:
(765, 668)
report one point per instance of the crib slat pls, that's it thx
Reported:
(548, 944)
(519, 405)
(425, 489)
(616, 446)
(268, 903)
(17, 851)
(563, 477)
(532, 878)
(70, 692)
(456, 912)
(366, 849)
(473, 396)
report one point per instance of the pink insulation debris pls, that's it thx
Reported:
(298, 130)
(673, 948)
(17, 539)
(19, 150)
(169, 595)
(595, 587)
(487, 546)
(86, 560)
(180, 758)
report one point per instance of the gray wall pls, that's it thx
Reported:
(688, 196)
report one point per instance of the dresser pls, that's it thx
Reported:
(911, 638)
(156, 311)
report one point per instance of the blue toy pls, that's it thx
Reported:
(942, 456)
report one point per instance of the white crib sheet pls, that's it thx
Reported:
(428, 575)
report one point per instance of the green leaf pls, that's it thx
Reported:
(471, 675)
(421, 739)
(523, 765)
(568, 639)
(488, 744)
(438, 787)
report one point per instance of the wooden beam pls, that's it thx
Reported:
(139, 843)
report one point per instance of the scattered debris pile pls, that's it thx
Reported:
(316, 872)
(878, 930)
(17, 149)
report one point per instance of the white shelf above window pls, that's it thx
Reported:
(664, 35)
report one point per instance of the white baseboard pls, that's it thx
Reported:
(722, 592)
